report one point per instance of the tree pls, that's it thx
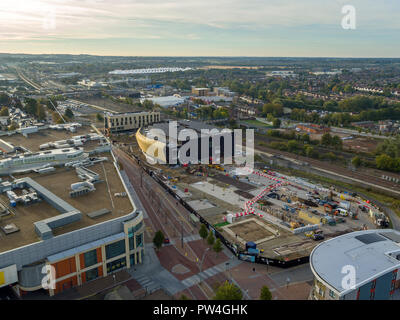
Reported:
(276, 123)
(41, 113)
(184, 297)
(265, 294)
(99, 117)
(228, 291)
(13, 126)
(210, 238)
(217, 247)
(158, 239)
(4, 112)
(356, 161)
(69, 113)
(203, 231)
(326, 139)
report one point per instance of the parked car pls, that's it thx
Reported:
(166, 241)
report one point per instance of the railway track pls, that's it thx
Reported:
(361, 177)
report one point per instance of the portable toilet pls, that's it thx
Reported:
(229, 218)
(251, 245)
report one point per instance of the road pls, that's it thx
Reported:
(164, 212)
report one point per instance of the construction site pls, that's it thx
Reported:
(264, 213)
(57, 181)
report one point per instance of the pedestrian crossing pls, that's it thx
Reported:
(147, 284)
(208, 273)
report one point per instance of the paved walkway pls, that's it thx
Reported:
(210, 272)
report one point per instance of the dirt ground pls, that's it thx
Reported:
(360, 145)
(109, 104)
(250, 231)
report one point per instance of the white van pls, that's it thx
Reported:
(342, 212)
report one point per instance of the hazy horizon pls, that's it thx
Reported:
(189, 28)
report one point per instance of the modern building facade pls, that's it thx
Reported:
(88, 249)
(122, 122)
(362, 265)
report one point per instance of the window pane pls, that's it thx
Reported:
(115, 249)
(90, 258)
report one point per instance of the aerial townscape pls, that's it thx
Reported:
(216, 176)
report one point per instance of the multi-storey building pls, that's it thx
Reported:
(68, 245)
(362, 265)
(121, 122)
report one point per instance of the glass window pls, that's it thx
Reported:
(90, 258)
(132, 259)
(115, 265)
(115, 249)
(331, 294)
(92, 274)
(131, 242)
(139, 240)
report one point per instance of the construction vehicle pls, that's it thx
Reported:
(341, 212)
(328, 220)
(294, 225)
(315, 234)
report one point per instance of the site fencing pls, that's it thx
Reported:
(240, 254)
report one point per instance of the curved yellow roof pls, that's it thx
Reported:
(152, 148)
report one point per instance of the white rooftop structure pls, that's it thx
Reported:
(373, 253)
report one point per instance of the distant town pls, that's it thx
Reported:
(84, 196)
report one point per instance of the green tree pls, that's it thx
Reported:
(13, 126)
(4, 112)
(158, 239)
(99, 117)
(40, 113)
(228, 291)
(265, 294)
(184, 297)
(276, 123)
(203, 231)
(210, 238)
(356, 161)
(69, 113)
(217, 247)
(326, 139)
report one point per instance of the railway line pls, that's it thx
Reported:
(359, 177)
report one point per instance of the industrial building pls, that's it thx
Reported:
(122, 122)
(372, 256)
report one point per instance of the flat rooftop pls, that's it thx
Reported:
(59, 183)
(368, 251)
(34, 140)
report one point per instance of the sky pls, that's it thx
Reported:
(262, 28)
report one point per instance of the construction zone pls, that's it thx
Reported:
(273, 215)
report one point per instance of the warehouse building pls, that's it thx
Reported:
(362, 265)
